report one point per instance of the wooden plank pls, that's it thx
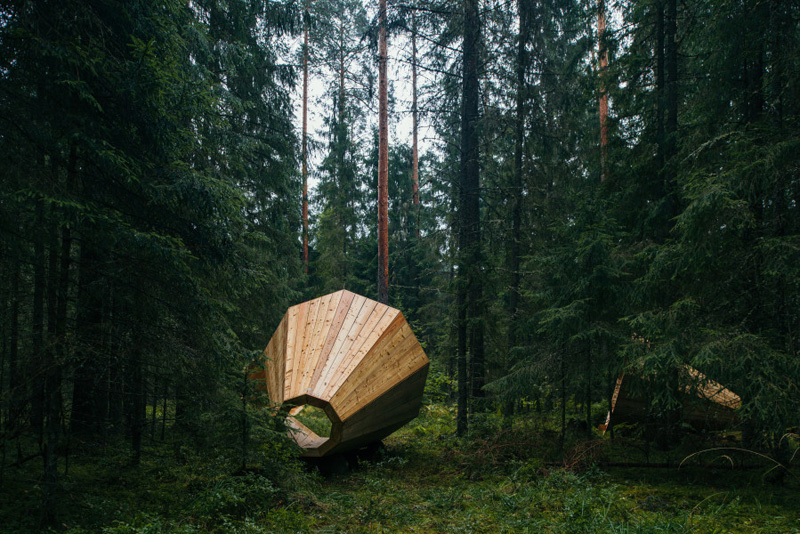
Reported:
(314, 307)
(377, 321)
(342, 350)
(386, 329)
(294, 336)
(376, 324)
(383, 377)
(304, 436)
(324, 320)
(399, 403)
(270, 369)
(339, 318)
(388, 363)
(365, 439)
(280, 354)
(298, 337)
(387, 340)
(273, 364)
(374, 387)
(285, 337)
(344, 340)
(697, 408)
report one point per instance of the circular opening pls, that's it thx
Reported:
(312, 418)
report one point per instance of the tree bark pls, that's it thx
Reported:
(462, 421)
(603, 99)
(470, 183)
(414, 124)
(660, 92)
(85, 416)
(670, 31)
(383, 161)
(305, 142)
(14, 382)
(35, 377)
(516, 211)
(469, 289)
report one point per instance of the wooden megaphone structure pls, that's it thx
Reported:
(354, 358)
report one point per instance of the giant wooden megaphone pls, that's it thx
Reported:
(354, 358)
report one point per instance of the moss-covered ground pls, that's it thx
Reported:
(508, 476)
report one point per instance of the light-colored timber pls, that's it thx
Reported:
(706, 403)
(354, 358)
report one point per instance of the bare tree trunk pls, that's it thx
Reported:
(305, 141)
(469, 289)
(154, 397)
(383, 161)
(462, 422)
(414, 124)
(136, 391)
(14, 382)
(164, 409)
(516, 213)
(563, 372)
(603, 100)
(51, 391)
(660, 84)
(245, 422)
(471, 193)
(671, 127)
(85, 418)
(588, 393)
(35, 378)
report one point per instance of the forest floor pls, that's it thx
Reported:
(425, 481)
(428, 483)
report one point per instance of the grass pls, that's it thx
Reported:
(315, 420)
(503, 478)
(430, 482)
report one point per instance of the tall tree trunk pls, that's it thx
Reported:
(164, 408)
(462, 421)
(135, 384)
(588, 393)
(781, 27)
(414, 123)
(305, 141)
(661, 86)
(383, 160)
(51, 399)
(85, 417)
(137, 393)
(35, 377)
(563, 372)
(14, 381)
(469, 290)
(671, 127)
(516, 211)
(670, 31)
(470, 184)
(603, 99)
(154, 397)
(245, 422)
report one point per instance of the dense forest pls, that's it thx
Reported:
(586, 189)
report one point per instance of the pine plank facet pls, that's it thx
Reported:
(353, 357)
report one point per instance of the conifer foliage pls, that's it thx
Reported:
(589, 188)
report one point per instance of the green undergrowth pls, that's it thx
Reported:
(506, 476)
(431, 482)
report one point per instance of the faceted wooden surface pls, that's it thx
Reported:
(706, 403)
(353, 357)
